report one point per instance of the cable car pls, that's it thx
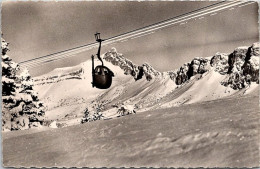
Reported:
(101, 75)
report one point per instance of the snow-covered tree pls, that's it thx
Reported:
(21, 108)
(26, 81)
(9, 101)
(126, 110)
(86, 116)
(9, 69)
(97, 115)
(32, 107)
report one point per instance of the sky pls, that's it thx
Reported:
(35, 29)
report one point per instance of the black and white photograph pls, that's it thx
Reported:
(130, 84)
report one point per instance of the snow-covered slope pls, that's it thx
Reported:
(216, 125)
(67, 92)
(221, 133)
(67, 95)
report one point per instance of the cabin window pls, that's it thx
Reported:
(105, 71)
(98, 71)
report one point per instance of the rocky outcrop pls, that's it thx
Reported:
(149, 72)
(119, 60)
(243, 67)
(196, 66)
(199, 65)
(171, 74)
(251, 64)
(182, 74)
(220, 63)
(237, 59)
(129, 67)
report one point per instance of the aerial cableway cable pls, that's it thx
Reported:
(71, 52)
(89, 46)
(199, 13)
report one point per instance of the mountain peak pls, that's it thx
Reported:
(129, 68)
(150, 72)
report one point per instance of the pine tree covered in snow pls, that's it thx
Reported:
(86, 116)
(9, 69)
(97, 115)
(21, 108)
(32, 107)
(9, 101)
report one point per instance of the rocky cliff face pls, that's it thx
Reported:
(149, 72)
(172, 74)
(220, 63)
(243, 67)
(196, 66)
(129, 67)
(251, 64)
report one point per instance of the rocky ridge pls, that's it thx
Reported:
(241, 67)
(129, 67)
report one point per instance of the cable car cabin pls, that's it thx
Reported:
(102, 77)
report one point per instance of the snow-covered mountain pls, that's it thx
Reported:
(67, 92)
